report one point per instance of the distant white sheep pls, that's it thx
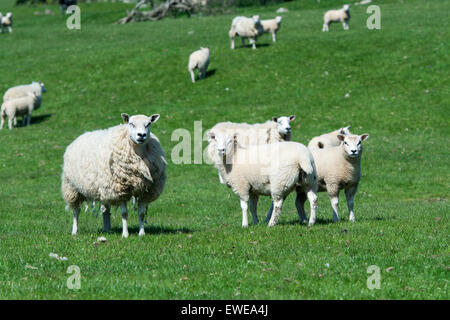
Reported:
(199, 60)
(6, 22)
(272, 26)
(342, 15)
(328, 139)
(110, 166)
(270, 169)
(244, 27)
(23, 106)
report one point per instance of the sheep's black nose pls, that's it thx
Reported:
(354, 151)
(142, 135)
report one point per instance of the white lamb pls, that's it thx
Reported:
(244, 27)
(23, 106)
(6, 22)
(272, 26)
(271, 169)
(111, 166)
(199, 60)
(339, 168)
(276, 130)
(37, 88)
(342, 15)
(328, 139)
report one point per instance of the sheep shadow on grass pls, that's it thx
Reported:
(35, 119)
(150, 230)
(210, 73)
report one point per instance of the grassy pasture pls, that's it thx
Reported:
(398, 81)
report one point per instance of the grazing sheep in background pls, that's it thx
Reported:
(276, 130)
(111, 166)
(270, 169)
(23, 106)
(328, 139)
(244, 27)
(22, 91)
(341, 15)
(272, 26)
(199, 60)
(7, 22)
(339, 168)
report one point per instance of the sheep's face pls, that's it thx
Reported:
(352, 144)
(278, 19)
(42, 87)
(139, 127)
(256, 20)
(223, 142)
(284, 124)
(346, 7)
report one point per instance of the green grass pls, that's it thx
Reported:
(398, 79)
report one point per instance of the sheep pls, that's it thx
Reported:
(7, 22)
(342, 15)
(276, 130)
(328, 139)
(339, 168)
(23, 106)
(244, 27)
(270, 169)
(111, 166)
(199, 60)
(272, 26)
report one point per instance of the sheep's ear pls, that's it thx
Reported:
(364, 136)
(154, 118)
(125, 117)
(275, 119)
(211, 135)
(341, 137)
(292, 118)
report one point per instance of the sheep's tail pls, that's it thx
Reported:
(307, 173)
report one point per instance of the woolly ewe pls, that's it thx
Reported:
(271, 169)
(342, 15)
(199, 60)
(244, 27)
(111, 166)
(6, 22)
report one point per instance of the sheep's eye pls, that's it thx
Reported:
(359, 143)
(345, 143)
(132, 125)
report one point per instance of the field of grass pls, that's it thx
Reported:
(195, 248)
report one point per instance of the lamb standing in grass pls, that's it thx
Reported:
(23, 106)
(199, 60)
(6, 22)
(328, 139)
(276, 130)
(244, 27)
(342, 15)
(271, 169)
(339, 168)
(37, 88)
(111, 166)
(272, 26)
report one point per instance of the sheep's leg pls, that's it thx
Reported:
(253, 42)
(278, 204)
(28, 119)
(244, 207)
(232, 42)
(253, 208)
(300, 205)
(325, 27)
(15, 121)
(334, 198)
(350, 195)
(76, 212)
(312, 197)
(106, 211)
(2, 121)
(142, 210)
(192, 76)
(10, 123)
(269, 213)
(124, 212)
(274, 37)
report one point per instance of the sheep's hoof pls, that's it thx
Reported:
(125, 235)
(141, 233)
